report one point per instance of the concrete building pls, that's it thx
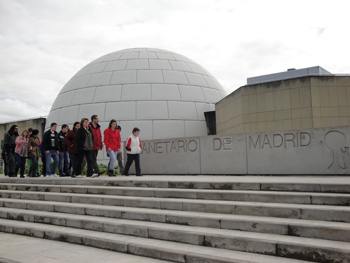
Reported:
(292, 100)
(163, 93)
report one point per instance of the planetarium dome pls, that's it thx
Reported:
(162, 93)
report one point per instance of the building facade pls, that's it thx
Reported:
(287, 103)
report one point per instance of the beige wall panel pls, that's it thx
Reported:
(279, 125)
(317, 122)
(305, 97)
(265, 116)
(301, 113)
(344, 111)
(277, 100)
(306, 123)
(324, 98)
(245, 104)
(253, 103)
(286, 100)
(295, 98)
(315, 96)
(282, 115)
(269, 101)
(261, 102)
(296, 123)
(329, 112)
(344, 121)
(316, 112)
(333, 96)
(342, 96)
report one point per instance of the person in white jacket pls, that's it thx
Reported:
(133, 150)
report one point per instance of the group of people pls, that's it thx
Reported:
(69, 150)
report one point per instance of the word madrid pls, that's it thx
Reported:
(276, 140)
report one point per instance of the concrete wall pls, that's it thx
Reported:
(37, 123)
(306, 151)
(299, 103)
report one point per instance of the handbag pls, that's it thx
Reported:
(24, 151)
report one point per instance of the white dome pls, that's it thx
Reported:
(162, 93)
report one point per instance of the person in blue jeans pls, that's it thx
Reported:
(51, 146)
(112, 142)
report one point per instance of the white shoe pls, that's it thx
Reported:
(94, 175)
(47, 175)
(79, 176)
(54, 175)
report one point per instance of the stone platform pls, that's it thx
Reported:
(187, 218)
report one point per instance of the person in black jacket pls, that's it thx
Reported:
(63, 167)
(85, 143)
(51, 146)
(9, 148)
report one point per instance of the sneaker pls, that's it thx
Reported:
(73, 176)
(79, 176)
(54, 175)
(47, 175)
(95, 175)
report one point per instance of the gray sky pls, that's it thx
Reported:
(45, 42)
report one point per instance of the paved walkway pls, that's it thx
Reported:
(23, 249)
(324, 179)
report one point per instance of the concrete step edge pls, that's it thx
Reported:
(181, 190)
(190, 184)
(96, 197)
(310, 212)
(228, 195)
(281, 226)
(198, 235)
(165, 250)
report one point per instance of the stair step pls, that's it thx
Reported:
(295, 184)
(209, 219)
(297, 211)
(160, 249)
(227, 239)
(294, 227)
(228, 195)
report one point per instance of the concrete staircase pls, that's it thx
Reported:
(186, 219)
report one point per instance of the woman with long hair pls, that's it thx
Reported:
(9, 147)
(112, 142)
(21, 152)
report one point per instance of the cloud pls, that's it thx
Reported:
(44, 43)
(12, 110)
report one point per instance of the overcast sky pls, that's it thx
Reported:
(45, 42)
